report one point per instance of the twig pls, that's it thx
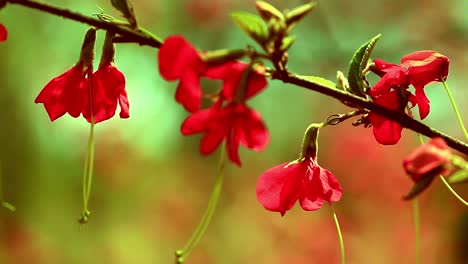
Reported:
(139, 36)
(135, 35)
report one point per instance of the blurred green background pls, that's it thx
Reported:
(151, 185)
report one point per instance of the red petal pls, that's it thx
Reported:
(232, 144)
(393, 78)
(425, 67)
(3, 33)
(211, 140)
(124, 105)
(386, 132)
(189, 92)
(422, 101)
(231, 74)
(197, 122)
(252, 133)
(384, 66)
(108, 84)
(278, 188)
(175, 56)
(433, 155)
(65, 93)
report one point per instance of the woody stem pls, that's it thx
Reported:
(139, 36)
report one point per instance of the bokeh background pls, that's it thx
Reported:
(151, 185)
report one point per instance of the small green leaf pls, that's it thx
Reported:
(287, 43)
(319, 81)
(8, 206)
(126, 8)
(357, 65)
(252, 25)
(297, 14)
(459, 176)
(267, 11)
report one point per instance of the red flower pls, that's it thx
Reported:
(418, 69)
(66, 93)
(236, 123)
(429, 159)
(108, 88)
(178, 60)
(3, 33)
(280, 187)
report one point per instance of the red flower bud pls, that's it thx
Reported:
(3, 33)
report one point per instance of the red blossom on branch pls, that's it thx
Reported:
(418, 69)
(3, 33)
(305, 181)
(230, 118)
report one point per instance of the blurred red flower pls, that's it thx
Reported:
(3, 33)
(280, 187)
(108, 88)
(418, 69)
(429, 159)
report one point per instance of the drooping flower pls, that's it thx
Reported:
(65, 93)
(178, 60)
(280, 187)
(418, 69)
(3, 33)
(108, 88)
(428, 160)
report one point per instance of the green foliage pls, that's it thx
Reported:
(356, 77)
(297, 14)
(267, 11)
(252, 25)
(320, 81)
(126, 8)
(287, 43)
(459, 177)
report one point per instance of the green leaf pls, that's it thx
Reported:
(297, 14)
(267, 11)
(287, 43)
(357, 65)
(420, 186)
(253, 25)
(319, 81)
(126, 8)
(459, 176)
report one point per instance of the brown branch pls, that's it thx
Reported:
(143, 37)
(139, 36)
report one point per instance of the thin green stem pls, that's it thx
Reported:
(88, 174)
(182, 254)
(417, 233)
(453, 191)
(455, 109)
(340, 236)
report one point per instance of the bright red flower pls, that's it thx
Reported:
(280, 187)
(178, 60)
(108, 88)
(418, 69)
(65, 93)
(236, 123)
(429, 159)
(3, 33)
